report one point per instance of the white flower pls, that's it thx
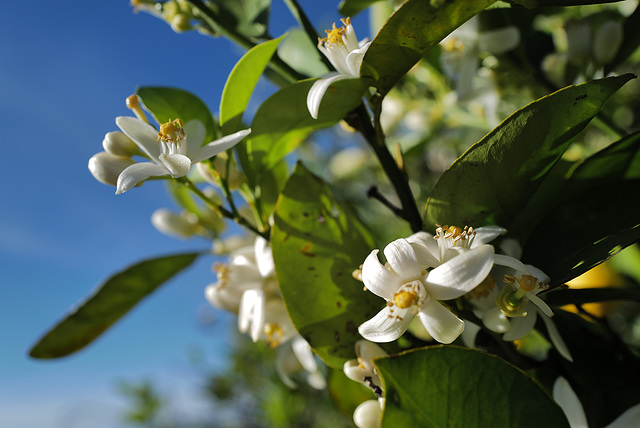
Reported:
(249, 268)
(295, 356)
(342, 49)
(410, 289)
(107, 167)
(174, 224)
(172, 150)
(362, 369)
(570, 404)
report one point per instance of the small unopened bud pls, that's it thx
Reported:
(172, 224)
(117, 143)
(106, 167)
(180, 23)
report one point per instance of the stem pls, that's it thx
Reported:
(375, 137)
(374, 193)
(222, 210)
(286, 74)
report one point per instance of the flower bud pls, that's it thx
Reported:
(172, 224)
(117, 143)
(180, 23)
(106, 167)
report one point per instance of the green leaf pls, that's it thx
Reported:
(630, 40)
(568, 296)
(557, 3)
(301, 54)
(494, 181)
(283, 121)
(455, 387)
(114, 298)
(170, 103)
(248, 17)
(584, 231)
(415, 28)
(317, 244)
(354, 7)
(241, 83)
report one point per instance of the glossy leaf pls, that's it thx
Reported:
(170, 103)
(317, 244)
(455, 387)
(494, 181)
(248, 17)
(557, 3)
(108, 303)
(585, 230)
(241, 83)
(415, 28)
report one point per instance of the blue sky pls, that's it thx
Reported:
(65, 71)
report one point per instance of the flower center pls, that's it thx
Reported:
(334, 36)
(454, 236)
(410, 294)
(171, 132)
(483, 289)
(274, 334)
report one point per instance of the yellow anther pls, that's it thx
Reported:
(171, 131)
(133, 104)
(510, 279)
(274, 334)
(452, 44)
(405, 299)
(334, 36)
(455, 231)
(527, 282)
(222, 272)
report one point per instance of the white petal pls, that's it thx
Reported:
(316, 380)
(500, 40)
(539, 303)
(136, 173)
(367, 414)
(511, 262)
(178, 165)
(217, 146)
(251, 314)
(354, 59)
(304, 354)
(386, 327)
(442, 324)
(540, 276)
(486, 234)
(378, 279)
(143, 134)
(496, 321)
(628, 419)
(403, 260)
(317, 91)
(264, 257)
(569, 403)
(556, 339)
(195, 132)
(520, 326)
(460, 274)
(426, 249)
(367, 351)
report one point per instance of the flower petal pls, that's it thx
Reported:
(303, 353)
(442, 324)
(556, 339)
(426, 249)
(570, 404)
(143, 134)
(264, 257)
(386, 327)
(367, 414)
(378, 279)
(354, 59)
(403, 260)
(251, 314)
(136, 173)
(486, 234)
(496, 321)
(628, 419)
(217, 146)
(539, 303)
(460, 274)
(317, 91)
(511, 262)
(195, 132)
(178, 165)
(520, 326)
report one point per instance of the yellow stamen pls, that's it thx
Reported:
(274, 334)
(483, 289)
(405, 299)
(334, 36)
(171, 131)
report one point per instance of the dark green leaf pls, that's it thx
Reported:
(585, 230)
(554, 3)
(241, 82)
(171, 103)
(415, 28)
(494, 181)
(455, 387)
(317, 244)
(114, 298)
(248, 17)
(354, 7)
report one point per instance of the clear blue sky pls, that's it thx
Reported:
(65, 70)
